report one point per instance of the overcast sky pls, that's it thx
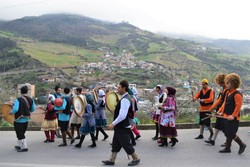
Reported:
(210, 18)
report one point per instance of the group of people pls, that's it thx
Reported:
(59, 115)
(164, 116)
(226, 109)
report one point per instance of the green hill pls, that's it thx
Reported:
(70, 40)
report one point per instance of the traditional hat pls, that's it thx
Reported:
(204, 81)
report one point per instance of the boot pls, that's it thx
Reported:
(156, 132)
(52, 133)
(93, 140)
(212, 142)
(79, 145)
(174, 141)
(132, 138)
(227, 149)
(164, 142)
(78, 131)
(211, 132)
(47, 136)
(104, 133)
(135, 161)
(241, 144)
(111, 160)
(72, 130)
(64, 140)
(97, 133)
(19, 145)
(24, 147)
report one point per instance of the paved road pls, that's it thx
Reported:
(187, 153)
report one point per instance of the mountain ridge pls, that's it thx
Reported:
(182, 57)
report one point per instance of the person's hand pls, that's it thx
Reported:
(212, 110)
(111, 126)
(60, 111)
(219, 113)
(230, 117)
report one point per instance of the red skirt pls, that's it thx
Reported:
(168, 132)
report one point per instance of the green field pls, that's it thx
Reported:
(58, 55)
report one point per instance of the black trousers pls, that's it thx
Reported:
(20, 129)
(121, 139)
(230, 128)
(64, 125)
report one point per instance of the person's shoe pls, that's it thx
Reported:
(199, 137)
(108, 162)
(17, 147)
(52, 141)
(23, 150)
(174, 141)
(92, 145)
(62, 145)
(72, 141)
(155, 138)
(78, 146)
(210, 142)
(133, 143)
(134, 162)
(46, 141)
(162, 145)
(110, 144)
(242, 149)
(137, 137)
(225, 150)
(104, 138)
(96, 138)
(223, 145)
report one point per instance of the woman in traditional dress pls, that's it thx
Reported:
(100, 115)
(160, 99)
(167, 118)
(50, 123)
(88, 122)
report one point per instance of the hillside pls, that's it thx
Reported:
(71, 40)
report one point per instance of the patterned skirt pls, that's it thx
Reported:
(48, 125)
(101, 122)
(168, 132)
(86, 129)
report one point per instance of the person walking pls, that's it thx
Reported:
(64, 116)
(216, 106)
(231, 112)
(100, 115)
(121, 126)
(206, 98)
(88, 126)
(22, 108)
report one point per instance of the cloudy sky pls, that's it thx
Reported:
(210, 18)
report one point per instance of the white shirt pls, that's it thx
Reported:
(125, 104)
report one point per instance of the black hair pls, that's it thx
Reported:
(79, 89)
(124, 83)
(57, 87)
(66, 90)
(24, 90)
(158, 87)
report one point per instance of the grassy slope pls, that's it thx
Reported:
(59, 55)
